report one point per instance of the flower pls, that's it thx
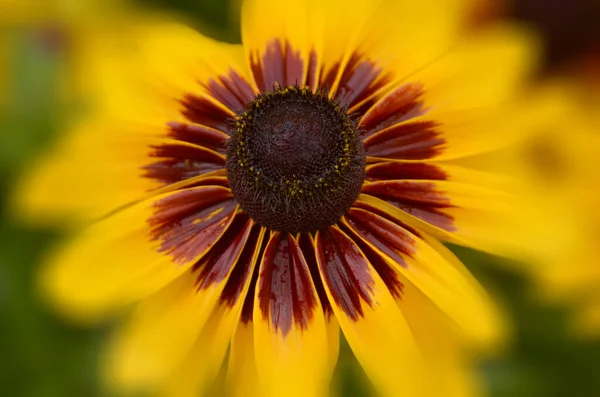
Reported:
(561, 161)
(262, 197)
(558, 169)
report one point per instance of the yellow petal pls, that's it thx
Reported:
(472, 131)
(493, 329)
(198, 310)
(469, 207)
(159, 334)
(307, 245)
(301, 36)
(290, 335)
(201, 366)
(405, 36)
(444, 352)
(436, 272)
(85, 178)
(135, 251)
(309, 42)
(368, 315)
(333, 340)
(482, 70)
(242, 374)
(429, 135)
(145, 71)
(462, 104)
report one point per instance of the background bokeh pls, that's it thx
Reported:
(41, 355)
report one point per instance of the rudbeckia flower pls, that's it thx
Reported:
(262, 197)
(566, 167)
(558, 168)
(562, 162)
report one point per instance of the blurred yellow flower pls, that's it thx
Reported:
(261, 197)
(556, 171)
(565, 162)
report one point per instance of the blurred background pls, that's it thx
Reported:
(555, 350)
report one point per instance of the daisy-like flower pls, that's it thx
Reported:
(564, 168)
(558, 168)
(261, 197)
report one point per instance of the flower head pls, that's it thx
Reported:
(262, 196)
(562, 168)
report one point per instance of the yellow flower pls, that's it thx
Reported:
(558, 168)
(562, 162)
(261, 197)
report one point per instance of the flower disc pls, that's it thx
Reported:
(295, 161)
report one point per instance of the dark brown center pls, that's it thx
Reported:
(295, 161)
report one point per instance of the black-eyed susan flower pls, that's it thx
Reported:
(564, 167)
(557, 167)
(261, 197)
(561, 164)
